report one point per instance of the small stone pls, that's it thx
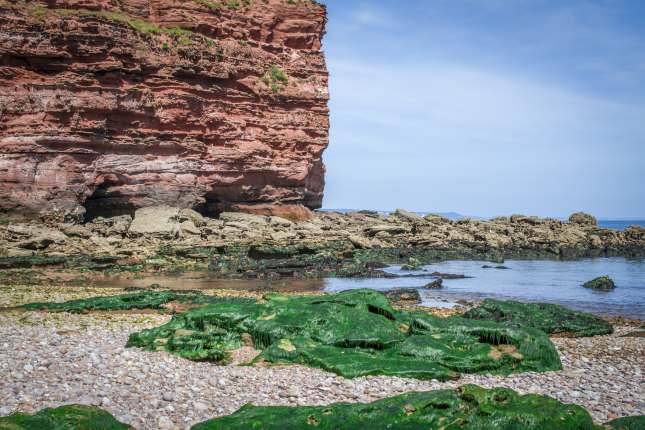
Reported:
(165, 423)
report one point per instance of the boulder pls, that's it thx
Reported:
(41, 238)
(403, 295)
(157, 221)
(76, 231)
(408, 216)
(189, 228)
(582, 218)
(193, 216)
(360, 242)
(434, 285)
(603, 283)
(437, 219)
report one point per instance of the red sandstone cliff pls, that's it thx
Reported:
(111, 105)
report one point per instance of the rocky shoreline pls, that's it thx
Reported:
(86, 362)
(239, 245)
(54, 359)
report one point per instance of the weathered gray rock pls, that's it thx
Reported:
(189, 228)
(360, 242)
(277, 221)
(191, 215)
(408, 216)
(243, 219)
(157, 221)
(76, 231)
(40, 238)
(583, 219)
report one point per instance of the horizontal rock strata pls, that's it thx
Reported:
(108, 106)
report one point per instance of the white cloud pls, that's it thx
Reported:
(370, 15)
(483, 134)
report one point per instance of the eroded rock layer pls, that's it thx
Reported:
(108, 106)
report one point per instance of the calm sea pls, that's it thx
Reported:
(620, 224)
(530, 281)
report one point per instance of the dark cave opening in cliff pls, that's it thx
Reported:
(107, 203)
(211, 207)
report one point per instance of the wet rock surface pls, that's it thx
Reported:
(71, 417)
(549, 318)
(470, 406)
(603, 283)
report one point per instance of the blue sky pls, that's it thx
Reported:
(487, 107)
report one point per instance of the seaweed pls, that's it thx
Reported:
(71, 417)
(354, 333)
(628, 423)
(467, 407)
(549, 318)
(144, 299)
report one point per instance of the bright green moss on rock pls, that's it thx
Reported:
(546, 317)
(354, 333)
(72, 417)
(628, 423)
(145, 299)
(467, 407)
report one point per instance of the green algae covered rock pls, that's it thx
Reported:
(628, 423)
(354, 333)
(138, 300)
(467, 407)
(146, 299)
(603, 283)
(72, 417)
(543, 316)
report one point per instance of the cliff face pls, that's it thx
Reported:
(111, 105)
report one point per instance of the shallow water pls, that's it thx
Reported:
(526, 280)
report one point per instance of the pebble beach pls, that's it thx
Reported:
(50, 359)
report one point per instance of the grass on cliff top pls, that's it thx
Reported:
(549, 318)
(467, 407)
(72, 417)
(182, 36)
(352, 334)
